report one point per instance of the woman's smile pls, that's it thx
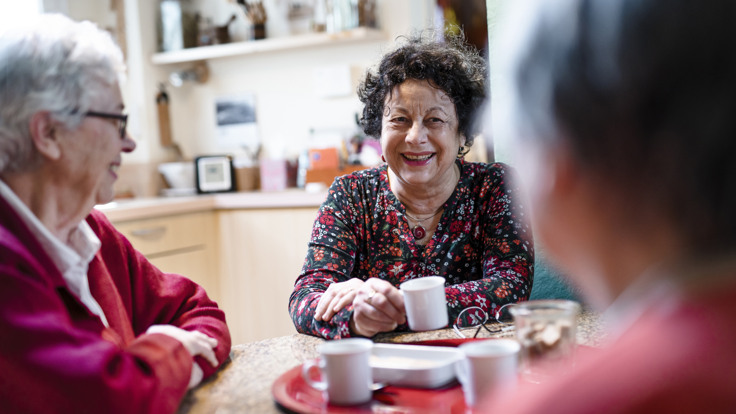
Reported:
(419, 135)
(417, 159)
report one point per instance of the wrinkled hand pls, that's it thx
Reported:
(197, 343)
(337, 296)
(378, 307)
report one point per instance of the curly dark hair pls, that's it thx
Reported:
(451, 65)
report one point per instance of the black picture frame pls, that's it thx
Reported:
(214, 174)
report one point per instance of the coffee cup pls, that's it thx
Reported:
(346, 371)
(546, 330)
(425, 303)
(487, 367)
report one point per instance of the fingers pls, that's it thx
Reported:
(374, 321)
(365, 326)
(384, 298)
(209, 355)
(378, 307)
(396, 298)
(195, 342)
(196, 377)
(205, 347)
(339, 301)
(211, 342)
(337, 296)
(323, 304)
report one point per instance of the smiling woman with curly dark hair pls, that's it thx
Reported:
(452, 66)
(425, 212)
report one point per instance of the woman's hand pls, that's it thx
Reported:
(378, 307)
(337, 296)
(197, 343)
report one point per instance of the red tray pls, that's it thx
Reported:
(293, 394)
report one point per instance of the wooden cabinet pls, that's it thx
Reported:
(245, 249)
(183, 243)
(262, 252)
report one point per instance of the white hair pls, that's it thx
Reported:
(50, 64)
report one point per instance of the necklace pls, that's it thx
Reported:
(419, 231)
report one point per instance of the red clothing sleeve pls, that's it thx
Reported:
(56, 356)
(152, 297)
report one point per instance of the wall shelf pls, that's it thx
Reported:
(358, 35)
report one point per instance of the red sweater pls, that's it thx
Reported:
(56, 356)
(680, 357)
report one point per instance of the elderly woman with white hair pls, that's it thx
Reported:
(88, 324)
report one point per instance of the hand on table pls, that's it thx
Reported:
(197, 343)
(378, 307)
(337, 296)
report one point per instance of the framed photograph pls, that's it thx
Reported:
(236, 123)
(214, 174)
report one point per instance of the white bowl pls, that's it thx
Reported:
(419, 366)
(178, 174)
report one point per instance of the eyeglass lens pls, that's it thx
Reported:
(121, 118)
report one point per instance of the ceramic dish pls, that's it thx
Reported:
(417, 366)
(293, 395)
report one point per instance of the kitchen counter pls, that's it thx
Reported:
(139, 208)
(210, 239)
(243, 385)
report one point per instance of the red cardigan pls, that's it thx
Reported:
(680, 357)
(56, 356)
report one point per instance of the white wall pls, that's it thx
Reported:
(286, 104)
(501, 145)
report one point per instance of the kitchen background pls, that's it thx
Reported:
(292, 91)
(301, 84)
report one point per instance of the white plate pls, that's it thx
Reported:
(414, 365)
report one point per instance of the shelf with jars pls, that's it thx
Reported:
(357, 35)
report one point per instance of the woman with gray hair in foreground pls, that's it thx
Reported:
(624, 113)
(88, 324)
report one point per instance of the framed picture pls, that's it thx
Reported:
(214, 174)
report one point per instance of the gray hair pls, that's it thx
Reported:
(51, 64)
(643, 93)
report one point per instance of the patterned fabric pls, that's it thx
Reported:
(482, 245)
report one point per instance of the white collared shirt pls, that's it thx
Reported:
(72, 258)
(655, 290)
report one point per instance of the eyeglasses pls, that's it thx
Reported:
(476, 318)
(122, 118)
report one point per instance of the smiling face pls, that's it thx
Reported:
(91, 153)
(419, 135)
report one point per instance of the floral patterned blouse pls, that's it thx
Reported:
(482, 245)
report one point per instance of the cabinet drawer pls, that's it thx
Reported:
(165, 234)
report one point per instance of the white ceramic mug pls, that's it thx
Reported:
(346, 371)
(425, 303)
(487, 366)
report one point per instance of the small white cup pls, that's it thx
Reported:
(425, 303)
(487, 366)
(346, 371)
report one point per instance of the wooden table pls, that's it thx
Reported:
(243, 385)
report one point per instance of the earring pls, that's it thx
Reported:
(383, 158)
(461, 151)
